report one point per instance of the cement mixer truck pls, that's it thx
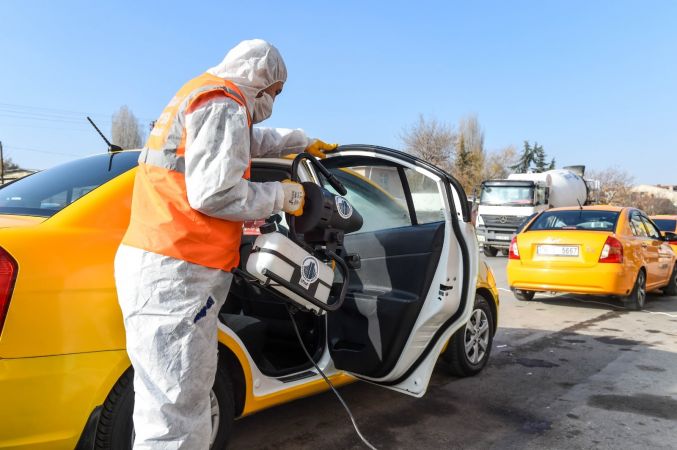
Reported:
(504, 205)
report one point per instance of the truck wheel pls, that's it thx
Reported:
(671, 288)
(522, 295)
(489, 251)
(115, 430)
(469, 349)
(637, 297)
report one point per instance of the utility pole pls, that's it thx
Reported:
(2, 166)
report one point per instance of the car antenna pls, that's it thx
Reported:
(111, 147)
(579, 204)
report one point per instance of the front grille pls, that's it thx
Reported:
(494, 220)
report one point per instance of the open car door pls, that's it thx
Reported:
(415, 284)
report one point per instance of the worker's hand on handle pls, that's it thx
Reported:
(319, 148)
(294, 197)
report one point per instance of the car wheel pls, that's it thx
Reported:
(115, 430)
(637, 297)
(522, 295)
(469, 348)
(489, 251)
(671, 288)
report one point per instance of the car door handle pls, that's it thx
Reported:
(644, 245)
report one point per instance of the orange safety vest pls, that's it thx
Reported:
(162, 220)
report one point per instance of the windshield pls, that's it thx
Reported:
(47, 192)
(666, 224)
(591, 220)
(507, 195)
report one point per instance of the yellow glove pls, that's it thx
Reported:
(318, 148)
(294, 197)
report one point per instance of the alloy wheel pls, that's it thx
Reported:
(641, 290)
(477, 336)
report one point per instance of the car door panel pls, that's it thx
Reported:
(385, 296)
(411, 293)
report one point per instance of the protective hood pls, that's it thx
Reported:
(252, 65)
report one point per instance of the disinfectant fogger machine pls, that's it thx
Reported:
(301, 264)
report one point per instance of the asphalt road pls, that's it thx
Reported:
(565, 372)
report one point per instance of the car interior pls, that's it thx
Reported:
(385, 293)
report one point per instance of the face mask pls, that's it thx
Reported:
(263, 108)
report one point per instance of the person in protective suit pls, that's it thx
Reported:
(191, 195)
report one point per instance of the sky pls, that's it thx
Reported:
(593, 82)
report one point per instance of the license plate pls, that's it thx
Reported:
(502, 237)
(480, 238)
(557, 250)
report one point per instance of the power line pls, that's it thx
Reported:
(54, 112)
(28, 149)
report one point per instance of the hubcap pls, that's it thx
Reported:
(477, 336)
(216, 418)
(641, 289)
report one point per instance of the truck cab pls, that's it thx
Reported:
(503, 206)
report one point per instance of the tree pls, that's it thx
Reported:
(525, 159)
(469, 155)
(8, 164)
(126, 130)
(431, 141)
(615, 186)
(532, 159)
(497, 164)
(653, 205)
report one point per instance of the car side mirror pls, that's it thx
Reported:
(669, 236)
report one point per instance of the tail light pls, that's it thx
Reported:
(612, 252)
(514, 252)
(8, 270)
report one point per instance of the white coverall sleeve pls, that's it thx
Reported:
(217, 155)
(274, 142)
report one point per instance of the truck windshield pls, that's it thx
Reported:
(47, 192)
(507, 195)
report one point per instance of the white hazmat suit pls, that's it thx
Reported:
(170, 306)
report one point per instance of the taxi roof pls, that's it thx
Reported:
(590, 208)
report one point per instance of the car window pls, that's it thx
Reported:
(651, 229)
(426, 197)
(666, 224)
(47, 192)
(637, 225)
(377, 194)
(590, 220)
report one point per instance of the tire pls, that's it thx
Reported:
(671, 288)
(522, 295)
(489, 251)
(466, 362)
(115, 430)
(637, 298)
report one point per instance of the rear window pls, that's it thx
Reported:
(576, 220)
(666, 224)
(48, 192)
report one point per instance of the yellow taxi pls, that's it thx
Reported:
(602, 250)
(668, 226)
(421, 293)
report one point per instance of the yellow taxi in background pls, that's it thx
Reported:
(601, 250)
(66, 380)
(668, 225)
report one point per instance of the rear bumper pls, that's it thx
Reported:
(46, 401)
(602, 279)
